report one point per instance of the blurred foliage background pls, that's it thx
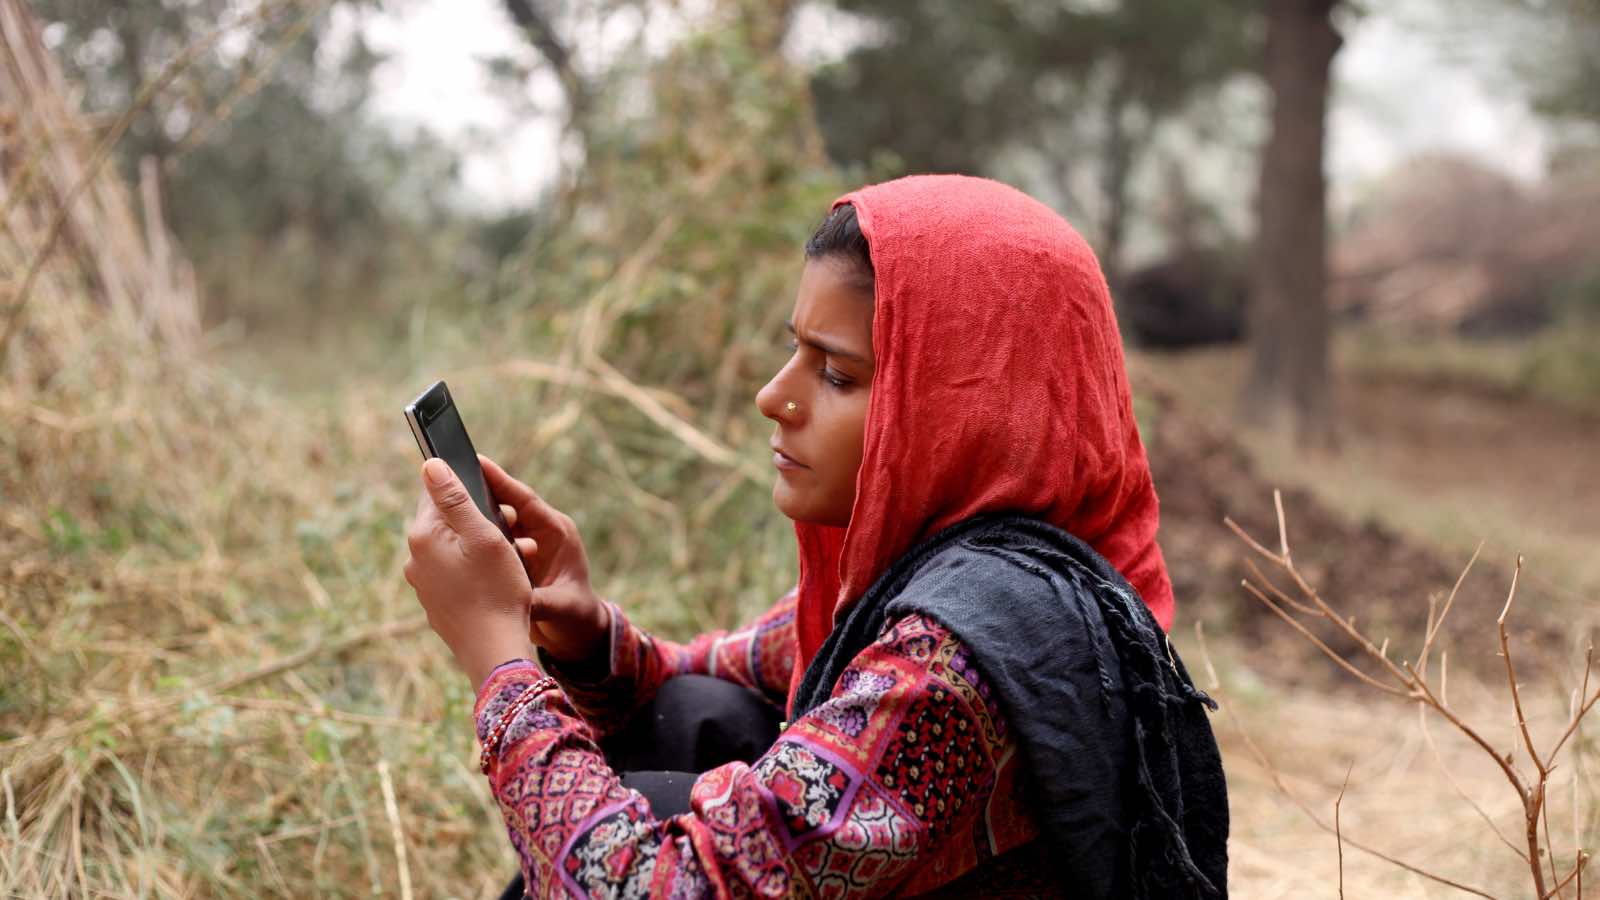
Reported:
(214, 672)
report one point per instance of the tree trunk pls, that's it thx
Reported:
(539, 28)
(1118, 150)
(1289, 380)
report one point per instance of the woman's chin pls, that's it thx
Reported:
(791, 502)
(794, 505)
(787, 503)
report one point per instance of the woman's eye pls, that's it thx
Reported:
(825, 373)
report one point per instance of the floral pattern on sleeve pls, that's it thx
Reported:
(902, 782)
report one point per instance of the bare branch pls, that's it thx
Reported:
(1582, 710)
(1283, 527)
(1504, 762)
(1253, 544)
(1588, 666)
(1345, 625)
(1328, 651)
(1444, 678)
(1422, 656)
(1321, 606)
(1338, 831)
(1413, 685)
(1544, 817)
(1427, 736)
(1436, 624)
(1511, 673)
(1576, 873)
(1282, 597)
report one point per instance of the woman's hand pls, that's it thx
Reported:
(568, 620)
(467, 577)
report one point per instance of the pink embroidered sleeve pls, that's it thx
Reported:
(904, 780)
(759, 656)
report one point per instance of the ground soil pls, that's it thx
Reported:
(1425, 471)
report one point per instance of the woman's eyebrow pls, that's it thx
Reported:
(830, 349)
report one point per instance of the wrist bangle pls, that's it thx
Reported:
(491, 742)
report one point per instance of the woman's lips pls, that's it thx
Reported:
(783, 460)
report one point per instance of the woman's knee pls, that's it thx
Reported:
(695, 723)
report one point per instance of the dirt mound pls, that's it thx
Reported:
(1361, 568)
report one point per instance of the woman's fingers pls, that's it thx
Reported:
(527, 548)
(509, 513)
(504, 486)
(536, 513)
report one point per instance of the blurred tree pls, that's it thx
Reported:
(551, 27)
(948, 86)
(1289, 381)
(541, 23)
(586, 73)
(1564, 69)
(275, 178)
(668, 288)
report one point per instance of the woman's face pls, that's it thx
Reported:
(817, 445)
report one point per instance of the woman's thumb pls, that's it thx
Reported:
(448, 494)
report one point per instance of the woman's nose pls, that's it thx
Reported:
(767, 399)
(774, 396)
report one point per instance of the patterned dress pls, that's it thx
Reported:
(904, 782)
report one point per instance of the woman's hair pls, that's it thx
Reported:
(839, 238)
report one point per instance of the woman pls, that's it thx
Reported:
(979, 700)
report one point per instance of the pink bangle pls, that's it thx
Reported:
(491, 742)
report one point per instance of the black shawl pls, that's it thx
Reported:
(1119, 750)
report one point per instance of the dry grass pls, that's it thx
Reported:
(212, 658)
(208, 650)
(216, 680)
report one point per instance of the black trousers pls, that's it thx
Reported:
(695, 723)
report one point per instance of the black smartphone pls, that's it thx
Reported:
(439, 432)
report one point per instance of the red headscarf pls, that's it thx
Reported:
(1000, 385)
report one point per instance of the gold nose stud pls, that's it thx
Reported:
(790, 407)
